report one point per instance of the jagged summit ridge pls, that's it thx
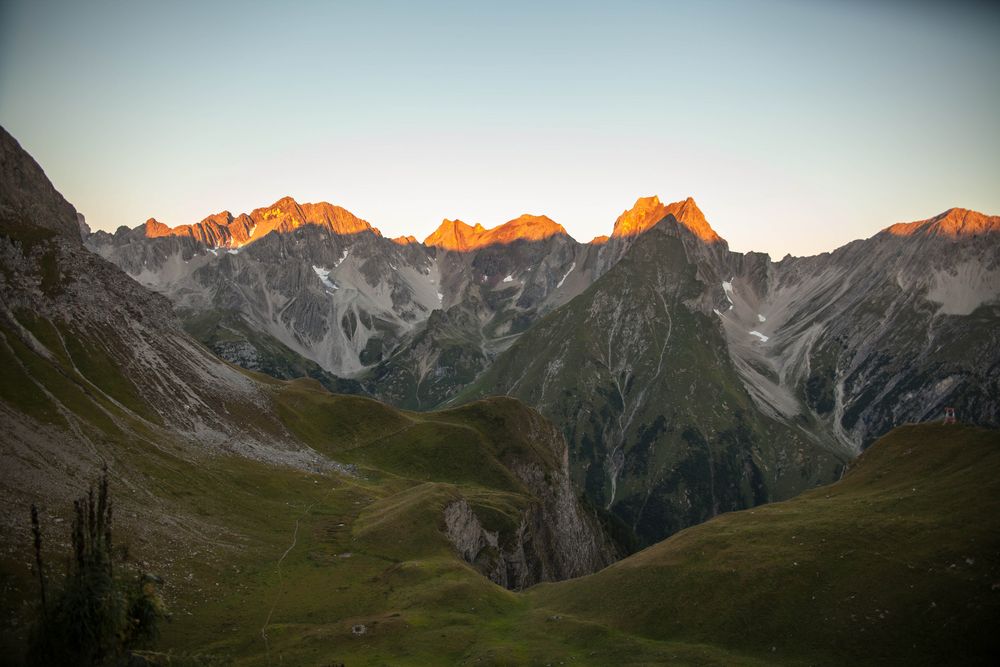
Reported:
(457, 235)
(954, 223)
(285, 215)
(223, 229)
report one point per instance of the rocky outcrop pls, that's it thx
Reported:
(554, 538)
(27, 197)
(224, 230)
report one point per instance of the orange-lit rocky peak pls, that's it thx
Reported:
(648, 211)
(600, 240)
(688, 213)
(954, 223)
(405, 240)
(336, 218)
(284, 215)
(223, 218)
(456, 235)
(154, 228)
(644, 214)
(524, 227)
(215, 230)
(451, 235)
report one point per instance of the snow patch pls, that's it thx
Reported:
(341, 260)
(440, 297)
(761, 318)
(758, 334)
(716, 311)
(213, 251)
(563, 279)
(324, 277)
(727, 287)
(233, 251)
(509, 278)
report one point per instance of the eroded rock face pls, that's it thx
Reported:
(876, 334)
(555, 538)
(325, 286)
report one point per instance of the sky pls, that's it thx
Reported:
(796, 126)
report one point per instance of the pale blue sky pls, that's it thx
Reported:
(797, 126)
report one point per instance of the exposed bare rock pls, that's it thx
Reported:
(554, 540)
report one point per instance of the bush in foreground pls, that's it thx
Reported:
(101, 611)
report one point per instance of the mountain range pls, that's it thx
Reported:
(293, 525)
(687, 379)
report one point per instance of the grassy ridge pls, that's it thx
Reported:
(898, 563)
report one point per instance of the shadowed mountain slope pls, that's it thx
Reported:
(661, 429)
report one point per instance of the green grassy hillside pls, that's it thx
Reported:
(898, 563)
(269, 564)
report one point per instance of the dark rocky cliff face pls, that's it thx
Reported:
(27, 196)
(554, 538)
